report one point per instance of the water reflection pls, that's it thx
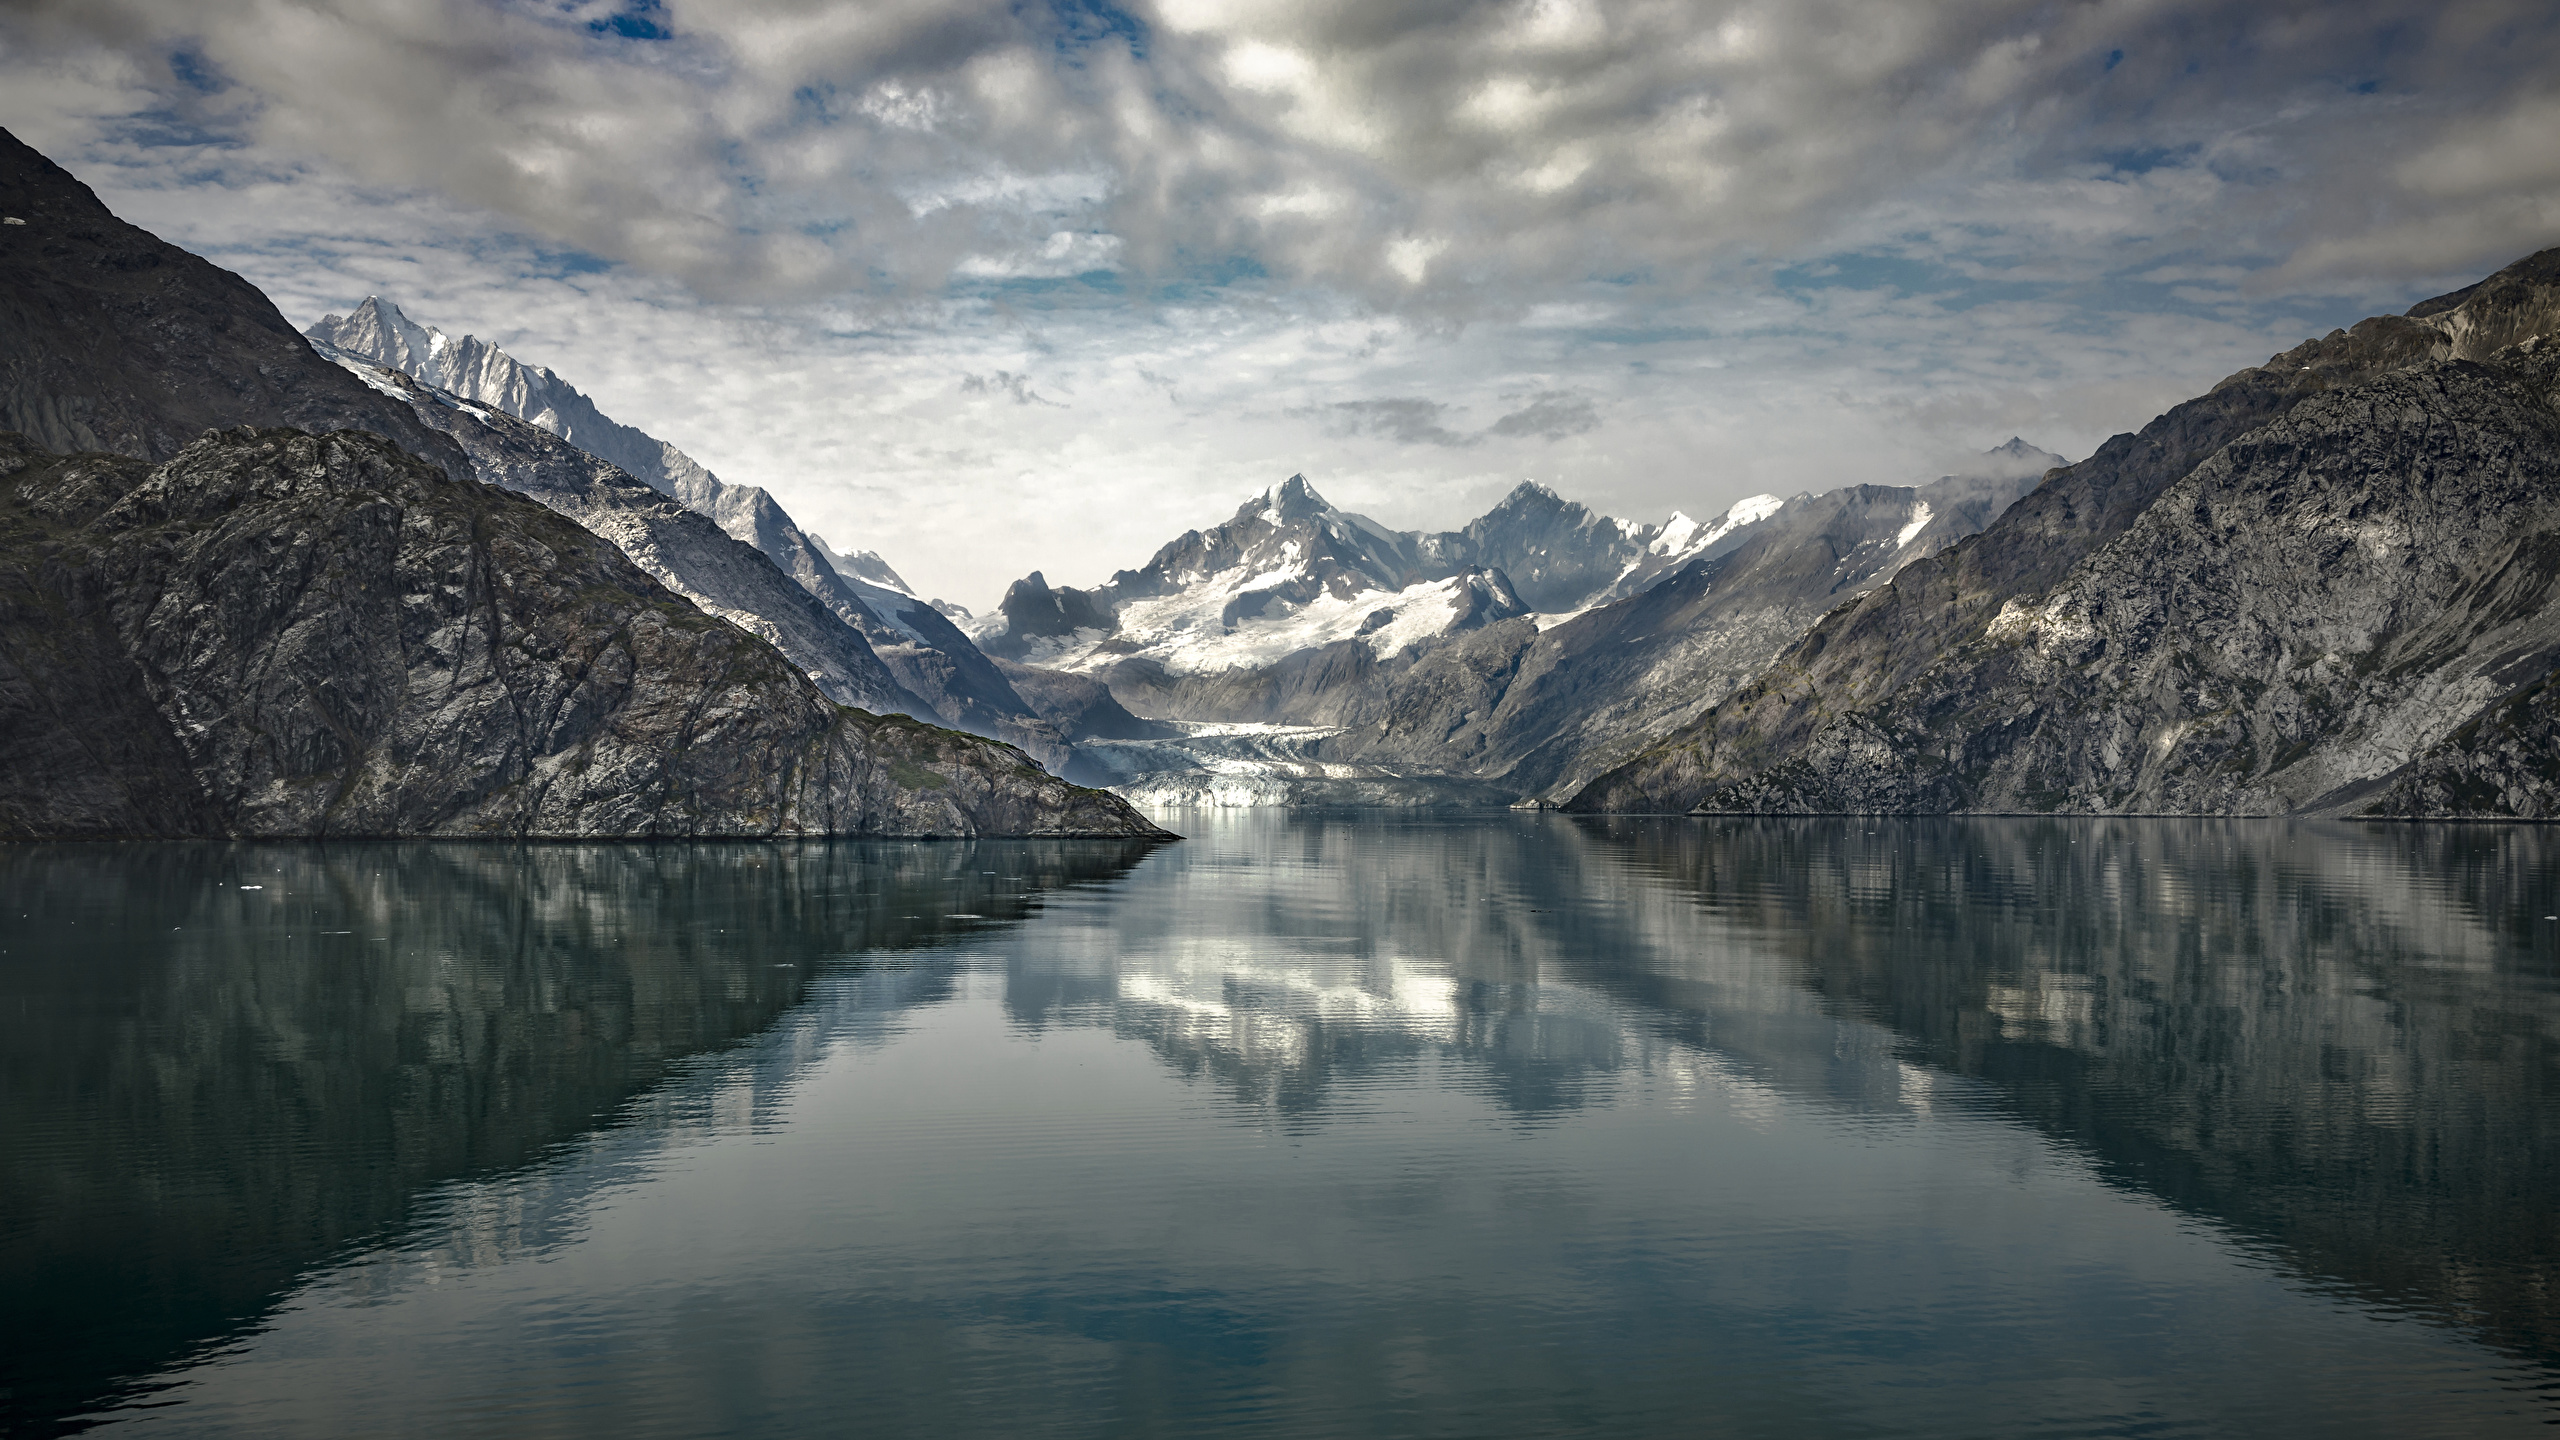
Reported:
(1354, 1126)
(222, 1064)
(2338, 1039)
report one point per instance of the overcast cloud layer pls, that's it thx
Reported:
(992, 285)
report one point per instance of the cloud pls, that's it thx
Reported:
(1005, 382)
(1410, 420)
(1441, 154)
(1406, 420)
(1551, 416)
(1774, 246)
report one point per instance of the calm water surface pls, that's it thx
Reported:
(1509, 1126)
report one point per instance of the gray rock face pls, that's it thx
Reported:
(2297, 592)
(938, 674)
(324, 636)
(1556, 553)
(679, 548)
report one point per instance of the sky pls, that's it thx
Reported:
(1000, 285)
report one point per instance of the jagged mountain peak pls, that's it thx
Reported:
(381, 331)
(1531, 500)
(1291, 501)
(2012, 458)
(864, 565)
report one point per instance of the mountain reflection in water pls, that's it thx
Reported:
(221, 1065)
(1365, 1125)
(2338, 1039)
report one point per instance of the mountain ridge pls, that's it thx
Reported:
(939, 673)
(1867, 711)
(313, 617)
(1288, 614)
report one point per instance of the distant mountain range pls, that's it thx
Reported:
(1518, 655)
(1292, 613)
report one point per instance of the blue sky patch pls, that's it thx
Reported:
(638, 22)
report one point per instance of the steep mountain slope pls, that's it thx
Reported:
(2276, 597)
(189, 347)
(929, 657)
(117, 336)
(681, 550)
(112, 339)
(1576, 697)
(481, 372)
(276, 633)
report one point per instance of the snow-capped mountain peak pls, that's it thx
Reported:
(379, 331)
(863, 565)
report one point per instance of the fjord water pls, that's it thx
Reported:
(1376, 1125)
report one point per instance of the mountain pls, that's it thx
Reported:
(1419, 657)
(282, 633)
(481, 372)
(931, 660)
(113, 340)
(678, 548)
(863, 565)
(2325, 586)
(1288, 572)
(1540, 711)
(276, 633)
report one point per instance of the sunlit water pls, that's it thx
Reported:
(1510, 1126)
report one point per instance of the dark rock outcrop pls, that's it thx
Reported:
(1080, 705)
(322, 635)
(112, 339)
(2269, 600)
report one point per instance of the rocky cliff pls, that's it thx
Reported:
(2321, 586)
(679, 548)
(295, 701)
(276, 633)
(938, 674)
